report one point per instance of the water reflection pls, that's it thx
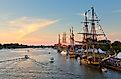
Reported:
(39, 67)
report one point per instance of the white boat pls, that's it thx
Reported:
(104, 69)
(63, 53)
(51, 60)
(26, 57)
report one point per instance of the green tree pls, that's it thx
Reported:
(104, 44)
(116, 46)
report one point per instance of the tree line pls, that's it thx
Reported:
(107, 45)
(16, 45)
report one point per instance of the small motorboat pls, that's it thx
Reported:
(26, 57)
(63, 53)
(104, 69)
(51, 60)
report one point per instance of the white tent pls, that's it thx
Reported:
(95, 50)
(89, 50)
(100, 51)
(119, 55)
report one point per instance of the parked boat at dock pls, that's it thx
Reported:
(92, 53)
(51, 60)
(72, 53)
(113, 62)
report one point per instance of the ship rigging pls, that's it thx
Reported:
(90, 42)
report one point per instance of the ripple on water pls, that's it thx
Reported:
(38, 67)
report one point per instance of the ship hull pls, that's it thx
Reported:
(72, 54)
(95, 64)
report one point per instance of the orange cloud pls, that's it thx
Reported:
(19, 29)
(27, 25)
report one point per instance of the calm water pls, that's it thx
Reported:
(38, 66)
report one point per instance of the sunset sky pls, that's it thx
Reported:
(37, 22)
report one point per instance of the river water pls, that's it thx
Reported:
(13, 66)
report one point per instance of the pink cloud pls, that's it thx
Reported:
(115, 36)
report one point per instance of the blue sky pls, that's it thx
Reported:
(20, 19)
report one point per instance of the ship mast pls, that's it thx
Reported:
(71, 49)
(59, 39)
(93, 31)
(86, 30)
(64, 38)
(72, 39)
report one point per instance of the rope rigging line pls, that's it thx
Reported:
(104, 34)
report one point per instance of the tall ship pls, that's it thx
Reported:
(71, 47)
(91, 52)
(62, 46)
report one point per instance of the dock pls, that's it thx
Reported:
(112, 63)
